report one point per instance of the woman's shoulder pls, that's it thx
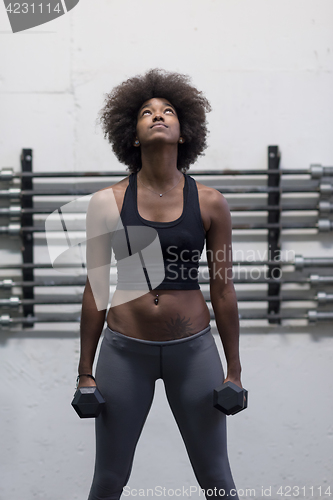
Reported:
(212, 203)
(106, 203)
(116, 191)
(117, 186)
(209, 195)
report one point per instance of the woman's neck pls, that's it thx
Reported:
(159, 168)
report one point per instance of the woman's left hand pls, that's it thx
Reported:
(235, 380)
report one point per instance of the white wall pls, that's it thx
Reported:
(266, 66)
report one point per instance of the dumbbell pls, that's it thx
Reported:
(88, 402)
(230, 398)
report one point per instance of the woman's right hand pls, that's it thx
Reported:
(86, 382)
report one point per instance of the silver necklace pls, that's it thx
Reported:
(160, 194)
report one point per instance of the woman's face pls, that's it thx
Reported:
(157, 122)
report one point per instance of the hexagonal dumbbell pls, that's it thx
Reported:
(230, 398)
(88, 402)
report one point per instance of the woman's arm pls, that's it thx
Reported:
(96, 293)
(91, 327)
(222, 291)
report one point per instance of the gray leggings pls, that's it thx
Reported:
(126, 372)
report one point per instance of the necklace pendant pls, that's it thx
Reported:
(161, 194)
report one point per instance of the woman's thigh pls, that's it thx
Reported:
(190, 376)
(127, 382)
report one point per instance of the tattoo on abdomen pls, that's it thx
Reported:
(180, 327)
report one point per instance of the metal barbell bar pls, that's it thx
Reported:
(322, 207)
(17, 301)
(312, 316)
(324, 189)
(322, 225)
(316, 171)
(299, 262)
(34, 265)
(14, 302)
(314, 279)
(6, 320)
(7, 284)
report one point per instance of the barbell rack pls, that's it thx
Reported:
(274, 206)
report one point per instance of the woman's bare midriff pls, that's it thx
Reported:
(178, 314)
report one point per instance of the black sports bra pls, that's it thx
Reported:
(159, 255)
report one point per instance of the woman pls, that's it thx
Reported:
(156, 124)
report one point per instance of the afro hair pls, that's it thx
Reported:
(118, 117)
